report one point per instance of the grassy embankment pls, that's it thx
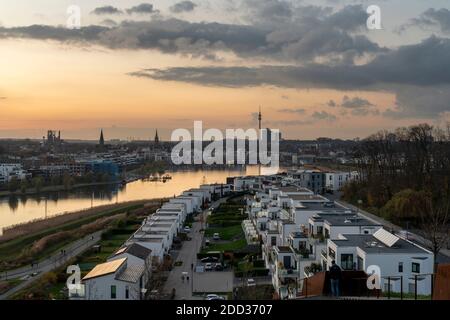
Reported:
(52, 284)
(39, 244)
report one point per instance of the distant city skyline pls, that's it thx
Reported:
(313, 66)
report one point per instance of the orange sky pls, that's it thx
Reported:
(49, 85)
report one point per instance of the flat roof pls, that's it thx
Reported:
(149, 239)
(308, 197)
(283, 249)
(347, 220)
(105, 268)
(369, 244)
(299, 235)
(294, 189)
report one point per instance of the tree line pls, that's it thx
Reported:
(405, 177)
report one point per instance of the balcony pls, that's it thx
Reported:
(324, 255)
(288, 273)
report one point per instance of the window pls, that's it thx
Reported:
(319, 230)
(360, 264)
(400, 267)
(415, 267)
(273, 241)
(127, 292)
(113, 292)
(347, 261)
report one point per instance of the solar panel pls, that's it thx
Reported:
(386, 237)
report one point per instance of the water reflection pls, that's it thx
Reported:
(14, 210)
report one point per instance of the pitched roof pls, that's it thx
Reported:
(131, 273)
(105, 268)
(136, 250)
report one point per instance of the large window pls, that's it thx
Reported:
(347, 261)
(415, 267)
(113, 292)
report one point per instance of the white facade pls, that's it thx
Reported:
(10, 171)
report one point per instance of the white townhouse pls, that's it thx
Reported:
(136, 255)
(156, 241)
(204, 195)
(334, 181)
(196, 202)
(188, 202)
(175, 206)
(402, 263)
(115, 280)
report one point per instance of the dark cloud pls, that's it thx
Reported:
(331, 103)
(287, 123)
(294, 111)
(356, 103)
(143, 8)
(301, 42)
(420, 102)
(183, 6)
(323, 115)
(425, 65)
(109, 23)
(431, 18)
(106, 10)
(359, 106)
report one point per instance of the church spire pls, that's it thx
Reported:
(102, 140)
(156, 137)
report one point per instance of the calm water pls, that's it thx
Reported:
(16, 210)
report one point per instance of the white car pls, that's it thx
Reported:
(214, 297)
(251, 282)
(187, 229)
(208, 266)
(216, 236)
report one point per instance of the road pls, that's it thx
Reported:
(443, 256)
(188, 255)
(56, 260)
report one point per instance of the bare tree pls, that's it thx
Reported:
(435, 220)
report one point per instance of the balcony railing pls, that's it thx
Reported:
(324, 254)
(288, 273)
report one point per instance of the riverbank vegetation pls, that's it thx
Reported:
(40, 243)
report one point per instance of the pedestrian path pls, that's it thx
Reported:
(54, 261)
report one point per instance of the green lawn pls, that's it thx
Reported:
(230, 246)
(226, 233)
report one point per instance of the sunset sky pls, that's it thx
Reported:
(313, 66)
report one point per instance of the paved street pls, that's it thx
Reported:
(56, 260)
(187, 254)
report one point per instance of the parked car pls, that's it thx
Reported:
(218, 267)
(187, 229)
(214, 297)
(216, 236)
(209, 259)
(251, 282)
(208, 266)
